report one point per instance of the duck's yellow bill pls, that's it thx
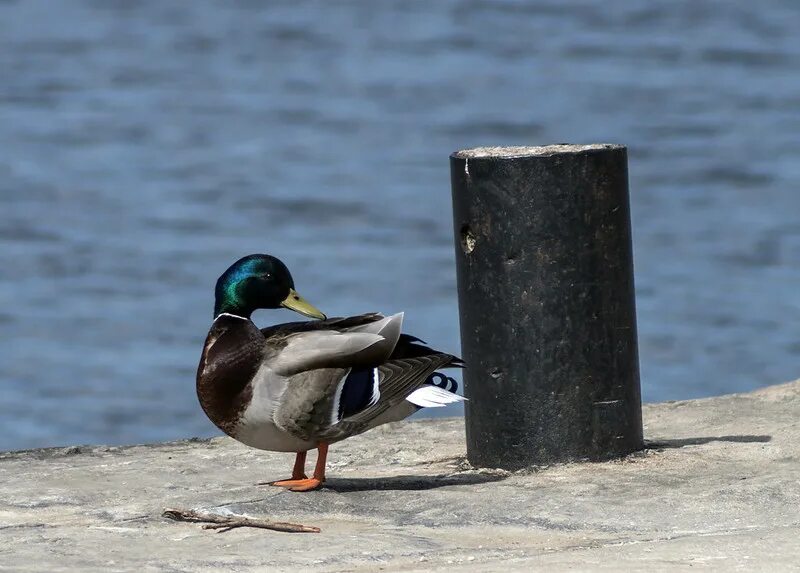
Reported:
(297, 303)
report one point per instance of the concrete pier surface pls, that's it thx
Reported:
(718, 488)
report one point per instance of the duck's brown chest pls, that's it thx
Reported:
(231, 356)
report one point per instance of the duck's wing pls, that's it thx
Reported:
(326, 370)
(341, 383)
(408, 370)
(357, 346)
(331, 404)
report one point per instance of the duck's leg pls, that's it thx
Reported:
(298, 472)
(319, 472)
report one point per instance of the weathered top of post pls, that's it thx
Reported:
(531, 151)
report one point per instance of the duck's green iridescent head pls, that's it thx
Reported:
(259, 281)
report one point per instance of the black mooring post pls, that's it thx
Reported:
(546, 300)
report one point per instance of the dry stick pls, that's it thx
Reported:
(223, 523)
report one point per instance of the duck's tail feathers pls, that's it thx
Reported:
(430, 396)
(443, 381)
(409, 346)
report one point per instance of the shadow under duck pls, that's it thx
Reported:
(298, 386)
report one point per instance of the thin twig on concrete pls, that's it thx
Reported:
(223, 523)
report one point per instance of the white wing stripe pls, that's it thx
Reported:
(376, 390)
(433, 397)
(337, 399)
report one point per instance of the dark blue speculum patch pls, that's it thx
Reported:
(358, 392)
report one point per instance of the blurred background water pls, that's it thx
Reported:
(146, 145)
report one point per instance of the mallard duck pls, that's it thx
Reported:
(302, 385)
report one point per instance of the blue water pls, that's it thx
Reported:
(146, 145)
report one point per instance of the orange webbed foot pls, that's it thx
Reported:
(289, 482)
(299, 480)
(306, 484)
